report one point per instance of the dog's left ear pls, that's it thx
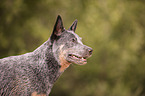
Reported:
(73, 26)
(58, 28)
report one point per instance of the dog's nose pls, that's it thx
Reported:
(90, 50)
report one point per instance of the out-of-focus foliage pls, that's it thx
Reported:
(115, 29)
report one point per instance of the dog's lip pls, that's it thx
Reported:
(77, 59)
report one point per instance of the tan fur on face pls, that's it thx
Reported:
(64, 64)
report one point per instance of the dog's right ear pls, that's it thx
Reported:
(58, 28)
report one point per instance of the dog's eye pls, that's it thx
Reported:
(74, 40)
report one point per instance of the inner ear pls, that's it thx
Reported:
(58, 28)
(73, 26)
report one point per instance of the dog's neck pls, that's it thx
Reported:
(48, 62)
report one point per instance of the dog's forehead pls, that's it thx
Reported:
(76, 36)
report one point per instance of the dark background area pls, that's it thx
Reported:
(115, 29)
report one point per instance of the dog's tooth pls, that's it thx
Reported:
(74, 56)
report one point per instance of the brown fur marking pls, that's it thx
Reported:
(64, 64)
(35, 94)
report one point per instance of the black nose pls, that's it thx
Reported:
(90, 50)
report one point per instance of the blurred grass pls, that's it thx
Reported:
(114, 29)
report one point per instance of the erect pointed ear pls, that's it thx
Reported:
(73, 26)
(58, 28)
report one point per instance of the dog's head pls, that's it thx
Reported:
(67, 45)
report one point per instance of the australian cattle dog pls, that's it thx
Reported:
(34, 73)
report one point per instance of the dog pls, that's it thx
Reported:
(34, 73)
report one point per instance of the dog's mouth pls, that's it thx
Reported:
(77, 59)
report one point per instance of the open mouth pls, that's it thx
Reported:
(77, 59)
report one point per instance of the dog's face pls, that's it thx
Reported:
(67, 45)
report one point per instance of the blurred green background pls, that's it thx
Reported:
(115, 29)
